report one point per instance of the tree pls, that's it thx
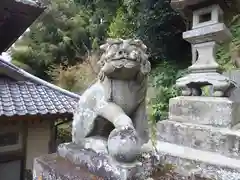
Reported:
(162, 28)
(228, 53)
(154, 22)
(71, 30)
(122, 26)
(65, 33)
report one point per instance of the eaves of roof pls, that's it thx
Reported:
(24, 94)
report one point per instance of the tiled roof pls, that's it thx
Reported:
(29, 95)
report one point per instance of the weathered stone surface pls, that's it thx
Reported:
(189, 162)
(124, 144)
(221, 85)
(234, 75)
(220, 140)
(215, 111)
(208, 29)
(100, 164)
(53, 167)
(206, 49)
(216, 32)
(117, 99)
(215, 16)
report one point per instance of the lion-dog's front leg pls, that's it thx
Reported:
(140, 122)
(115, 114)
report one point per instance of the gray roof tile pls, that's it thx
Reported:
(23, 97)
(32, 95)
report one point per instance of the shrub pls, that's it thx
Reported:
(64, 135)
(163, 79)
(75, 78)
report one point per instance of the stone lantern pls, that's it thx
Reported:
(208, 30)
(201, 135)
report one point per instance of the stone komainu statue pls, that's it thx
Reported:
(117, 99)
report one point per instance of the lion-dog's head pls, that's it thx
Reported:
(124, 60)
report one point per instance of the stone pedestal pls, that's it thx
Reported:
(201, 137)
(212, 111)
(55, 167)
(74, 162)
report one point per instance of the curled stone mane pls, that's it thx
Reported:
(133, 51)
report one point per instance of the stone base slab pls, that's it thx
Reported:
(215, 111)
(53, 167)
(96, 167)
(220, 140)
(190, 162)
(100, 164)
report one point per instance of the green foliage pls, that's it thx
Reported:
(95, 45)
(23, 66)
(73, 78)
(163, 79)
(161, 101)
(69, 30)
(153, 129)
(160, 28)
(64, 135)
(120, 26)
(226, 50)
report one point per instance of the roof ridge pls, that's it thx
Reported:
(8, 64)
(38, 80)
(31, 3)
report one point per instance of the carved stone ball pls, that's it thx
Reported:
(124, 144)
